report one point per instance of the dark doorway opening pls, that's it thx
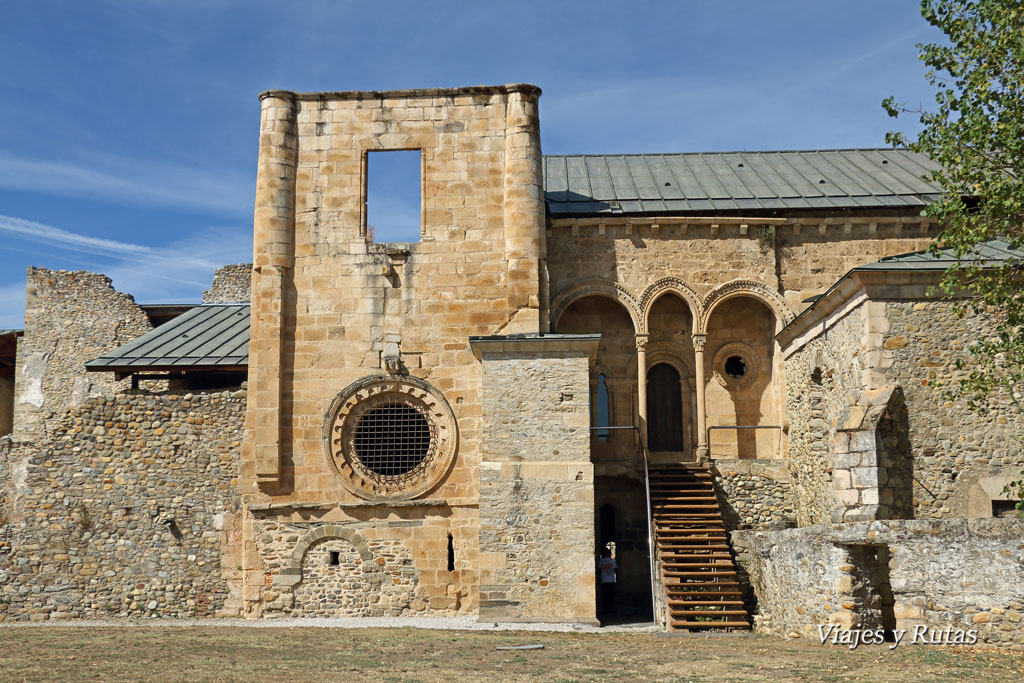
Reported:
(872, 591)
(664, 409)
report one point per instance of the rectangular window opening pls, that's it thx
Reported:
(334, 558)
(393, 196)
(1005, 508)
(451, 553)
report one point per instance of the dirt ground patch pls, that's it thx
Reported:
(195, 654)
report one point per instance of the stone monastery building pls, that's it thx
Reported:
(457, 424)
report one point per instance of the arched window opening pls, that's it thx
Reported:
(664, 409)
(602, 409)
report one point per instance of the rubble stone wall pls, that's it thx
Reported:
(231, 284)
(128, 507)
(962, 458)
(822, 380)
(963, 574)
(754, 494)
(71, 317)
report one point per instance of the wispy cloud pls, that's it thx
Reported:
(175, 272)
(48, 234)
(131, 182)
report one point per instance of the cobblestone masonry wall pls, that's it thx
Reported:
(822, 380)
(754, 494)
(70, 317)
(963, 574)
(128, 508)
(961, 458)
(537, 545)
(231, 284)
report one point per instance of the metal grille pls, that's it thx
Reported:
(392, 440)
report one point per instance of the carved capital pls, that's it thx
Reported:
(641, 342)
(698, 342)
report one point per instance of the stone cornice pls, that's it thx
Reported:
(524, 88)
(536, 345)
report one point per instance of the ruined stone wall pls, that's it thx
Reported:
(71, 317)
(231, 284)
(128, 507)
(963, 574)
(391, 561)
(822, 379)
(537, 546)
(962, 458)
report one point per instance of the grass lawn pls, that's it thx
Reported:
(202, 653)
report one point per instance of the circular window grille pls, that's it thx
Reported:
(388, 438)
(392, 440)
(735, 365)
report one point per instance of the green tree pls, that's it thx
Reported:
(976, 134)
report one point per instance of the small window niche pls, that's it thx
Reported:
(602, 409)
(393, 194)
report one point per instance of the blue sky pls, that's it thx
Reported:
(128, 128)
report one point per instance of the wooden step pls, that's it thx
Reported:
(708, 624)
(704, 602)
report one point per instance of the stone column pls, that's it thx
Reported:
(641, 385)
(702, 421)
(273, 259)
(523, 209)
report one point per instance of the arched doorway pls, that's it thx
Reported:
(664, 409)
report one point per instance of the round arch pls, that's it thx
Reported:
(749, 288)
(680, 288)
(586, 288)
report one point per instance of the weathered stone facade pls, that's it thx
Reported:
(461, 424)
(872, 434)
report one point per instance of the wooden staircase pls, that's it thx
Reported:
(702, 590)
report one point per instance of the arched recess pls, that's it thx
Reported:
(602, 288)
(757, 290)
(741, 371)
(291, 574)
(676, 286)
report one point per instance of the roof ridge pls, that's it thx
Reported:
(738, 151)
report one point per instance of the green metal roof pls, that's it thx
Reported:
(4, 333)
(736, 181)
(207, 337)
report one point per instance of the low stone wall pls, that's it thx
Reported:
(753, 494)
(962, 574)
(129, 508)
